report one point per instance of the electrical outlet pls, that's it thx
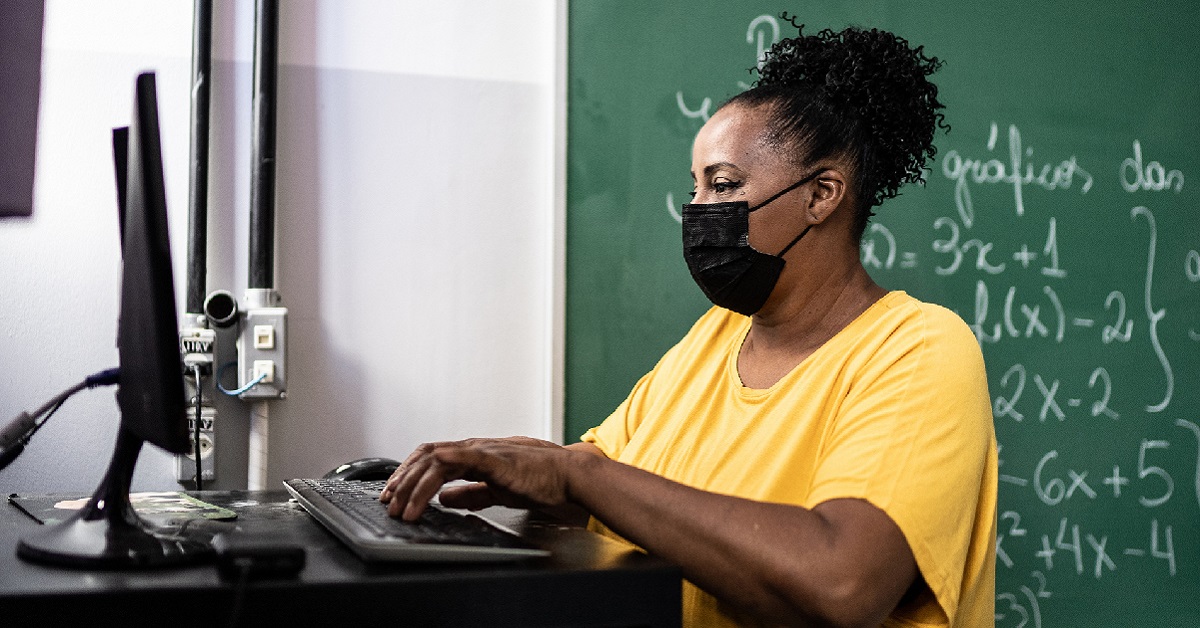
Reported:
(262, 349)
(185, 464)
(196, 343)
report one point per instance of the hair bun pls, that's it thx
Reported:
(871, 83)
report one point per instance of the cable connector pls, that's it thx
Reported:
(17, 431)
(107, 377)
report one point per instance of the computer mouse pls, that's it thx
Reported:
(364, 469)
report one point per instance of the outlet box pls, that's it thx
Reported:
(185, 464)
(262, 347)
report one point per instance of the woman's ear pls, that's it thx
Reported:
(828, 193)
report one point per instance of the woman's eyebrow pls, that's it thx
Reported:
(710, 169)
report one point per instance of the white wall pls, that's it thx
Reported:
(419, 225)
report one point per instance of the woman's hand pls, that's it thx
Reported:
(518, 472)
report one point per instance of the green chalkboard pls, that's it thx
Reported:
(1061, 220)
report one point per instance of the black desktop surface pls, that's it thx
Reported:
(588, 581)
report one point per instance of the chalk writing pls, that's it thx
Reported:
(1195, 429)
(986, 258)
(878, 235)
(701, 112)
(1083, 550)
(1023, 609)
(756, 35)
(1017, 172)
(1154, 315)
(1015, 379)
(762, 33)
(1020, 318)
(1191, 270)
(1054, 483)
(1151, 176)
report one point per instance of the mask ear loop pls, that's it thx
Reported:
(793, 242)
(790, 188)
(785, 191)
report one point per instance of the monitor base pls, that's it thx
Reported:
(107, 532)
(79, 542)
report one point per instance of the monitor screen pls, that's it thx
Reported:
(20, 86)
(151, 394)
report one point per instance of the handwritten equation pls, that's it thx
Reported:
(1081, 548)
(1058, 344)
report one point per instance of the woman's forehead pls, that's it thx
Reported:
(735, 135)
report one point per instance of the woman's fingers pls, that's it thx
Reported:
(421, 452)
(476, 496)
(399, 490)
(512, 472)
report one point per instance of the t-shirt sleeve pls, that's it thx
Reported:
(913, 438)
(614, 433)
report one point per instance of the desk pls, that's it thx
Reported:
(588, 581)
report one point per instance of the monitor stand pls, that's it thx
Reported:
(107, 532)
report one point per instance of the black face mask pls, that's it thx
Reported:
(716, 246)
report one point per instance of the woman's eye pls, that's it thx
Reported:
(722, 187)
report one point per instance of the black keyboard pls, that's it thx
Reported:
(352, 511)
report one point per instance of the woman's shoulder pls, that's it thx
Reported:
(928, 321)
(905, 305)
(715, 331)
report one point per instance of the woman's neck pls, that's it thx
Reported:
(787, 332)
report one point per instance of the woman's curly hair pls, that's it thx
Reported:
(861, 95)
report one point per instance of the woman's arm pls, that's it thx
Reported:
(842, 563)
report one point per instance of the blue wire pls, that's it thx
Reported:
(234, 393)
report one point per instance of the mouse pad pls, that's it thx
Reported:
(158, 509)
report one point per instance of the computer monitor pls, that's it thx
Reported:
(150, 393)
(107, 532)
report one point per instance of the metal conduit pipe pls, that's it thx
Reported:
(197, 248)
(261, 286)
(262, 146)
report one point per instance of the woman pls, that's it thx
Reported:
(817, 449)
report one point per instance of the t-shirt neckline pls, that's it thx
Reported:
(739, 339)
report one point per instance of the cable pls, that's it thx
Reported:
(107, 377)
(196, 430)
(17, 450)
(16, 434)
(234, 393)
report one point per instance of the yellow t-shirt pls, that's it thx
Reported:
(894, 410)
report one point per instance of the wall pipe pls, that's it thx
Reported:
(262, 146)
(260, 289)
(197, 246)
